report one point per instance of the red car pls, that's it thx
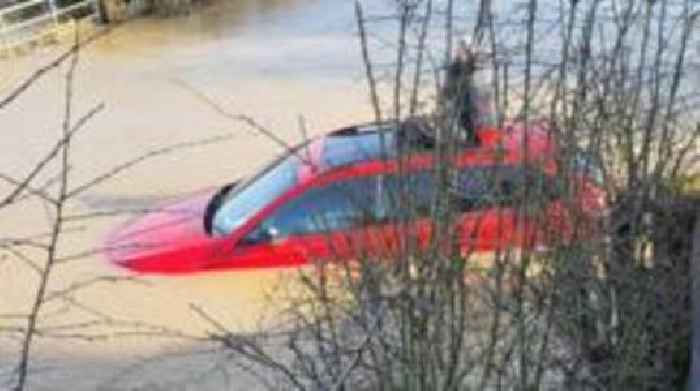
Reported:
(336, 197)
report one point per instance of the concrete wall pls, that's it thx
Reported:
(112, 11)
(171, 7)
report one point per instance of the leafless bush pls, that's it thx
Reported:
(616, 80)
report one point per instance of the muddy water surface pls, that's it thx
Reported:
(272, 60)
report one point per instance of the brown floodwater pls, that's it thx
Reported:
(274, 60)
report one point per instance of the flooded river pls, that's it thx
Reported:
(273, 60)
(163, 82)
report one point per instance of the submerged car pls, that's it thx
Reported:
(346, 194)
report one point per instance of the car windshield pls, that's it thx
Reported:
(244, 202)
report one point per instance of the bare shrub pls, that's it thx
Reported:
(607, 305)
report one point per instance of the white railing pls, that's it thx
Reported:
(15, 31)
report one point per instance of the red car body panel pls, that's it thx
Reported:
(172, 239)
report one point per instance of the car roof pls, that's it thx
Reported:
(369, 143)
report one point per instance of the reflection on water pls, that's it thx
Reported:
(233, 21)
(300, 37)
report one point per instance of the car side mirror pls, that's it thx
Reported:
(272, 235)
(262, 235)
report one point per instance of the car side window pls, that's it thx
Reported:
(410, 195)
(333, 207)
(502, 186)
(470, 189)
(479, 188)
(353, 203)
(475, 188)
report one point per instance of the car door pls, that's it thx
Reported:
(505, 206)
(328, 221)
(485, 197)
(481, 221)
(484, 203)
(406, 208)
